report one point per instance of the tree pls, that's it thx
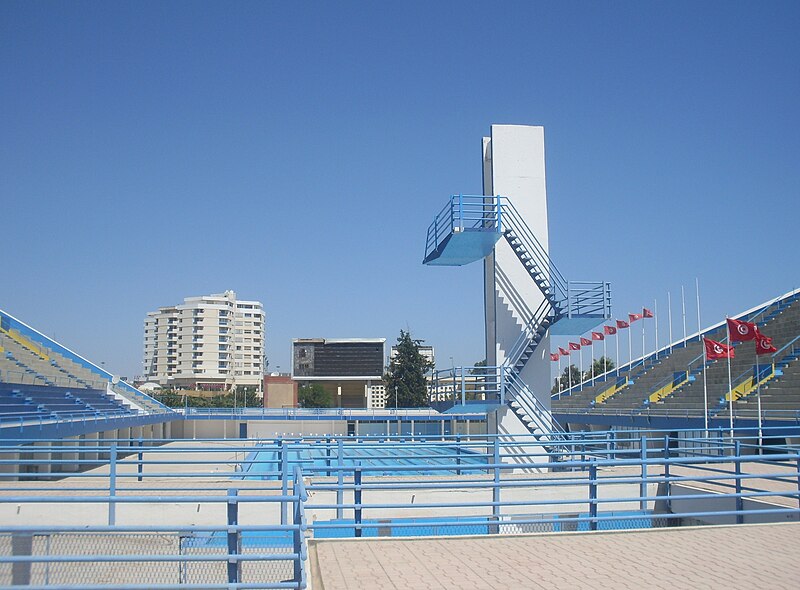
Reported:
(570, 376)
(313, 395)
(405, 380)
(601, 365)
(479, 368)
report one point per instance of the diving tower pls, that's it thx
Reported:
(526, 298)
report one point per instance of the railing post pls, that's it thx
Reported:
(139, 465)
(496, 486)
(502, 386)
(112, 485)
(461, 213)
(357, 500)
(593, 495)
(797, 462)
(297, 533)
(328, 456)
(339, 478)
(643, 483)
(738, 470)
(284, 480)
(458, 453)
(234, 538)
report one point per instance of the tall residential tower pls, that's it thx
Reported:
(211, 342)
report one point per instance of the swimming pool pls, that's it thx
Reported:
(401, 459)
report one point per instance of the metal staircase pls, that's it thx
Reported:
(466, 230)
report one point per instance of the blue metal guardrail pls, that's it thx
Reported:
(599, 480)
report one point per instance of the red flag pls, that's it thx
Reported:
(716, 350)
(632, 317)
(741, 331)
(609, 330)
(622, 324)
(563, 352)
(764, 344)
(597, 336)
(646, 313)
(574, 346)
(585, 341)
(554, 357)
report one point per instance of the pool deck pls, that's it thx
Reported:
(709, 557)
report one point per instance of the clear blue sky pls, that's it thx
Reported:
(296, 152)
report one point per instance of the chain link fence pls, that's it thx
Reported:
(144, 559)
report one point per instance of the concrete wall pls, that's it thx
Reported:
(514, 167)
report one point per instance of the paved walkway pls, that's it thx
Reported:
(722, 557)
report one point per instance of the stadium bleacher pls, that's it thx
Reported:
(672, 380)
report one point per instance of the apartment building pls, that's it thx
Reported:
(211, 342)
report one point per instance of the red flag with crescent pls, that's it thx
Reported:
(622, 324)
(741, 331)
(609, 330)
(585, 341)
(632, 317)
(563, 352)
(646, 313)
(764, 344)
(717, 350)
(574, 346)
(554, 357)
(597, 336)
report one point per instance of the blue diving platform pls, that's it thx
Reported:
(465, 231)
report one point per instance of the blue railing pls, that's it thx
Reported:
(590, 481)
(463, 213)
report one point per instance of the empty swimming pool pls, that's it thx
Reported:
(401, 459)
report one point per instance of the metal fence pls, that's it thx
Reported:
(235, 514)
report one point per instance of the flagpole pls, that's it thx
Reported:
(730, 381)
(655, 312)
(683, 314)
(580, 362)
(616, 340)
(758, 393)
(705, 391)
(643, 341)
(697, 291)
(669, 312)
(593, 365)
(630, 353)
(558, 379)
(705, 385)
(605, 369)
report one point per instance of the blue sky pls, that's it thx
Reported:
(296, 152)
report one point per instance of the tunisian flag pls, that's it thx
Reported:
(609, 330)
(585, 341)
(563, 352)
(717, 350)
(574, 346)
(554, 357)
(622, 324)
(632, 317)
(597, 336)
(741, 331)
(764, 344)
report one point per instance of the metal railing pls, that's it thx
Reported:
(463, 213)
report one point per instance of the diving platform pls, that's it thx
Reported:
(464, 231)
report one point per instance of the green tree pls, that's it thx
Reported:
(405, 380)
(601, 365)
(570, 375)
(313, 395)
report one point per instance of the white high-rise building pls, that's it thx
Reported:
(209, 342)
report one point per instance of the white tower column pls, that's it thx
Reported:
(514, 167)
